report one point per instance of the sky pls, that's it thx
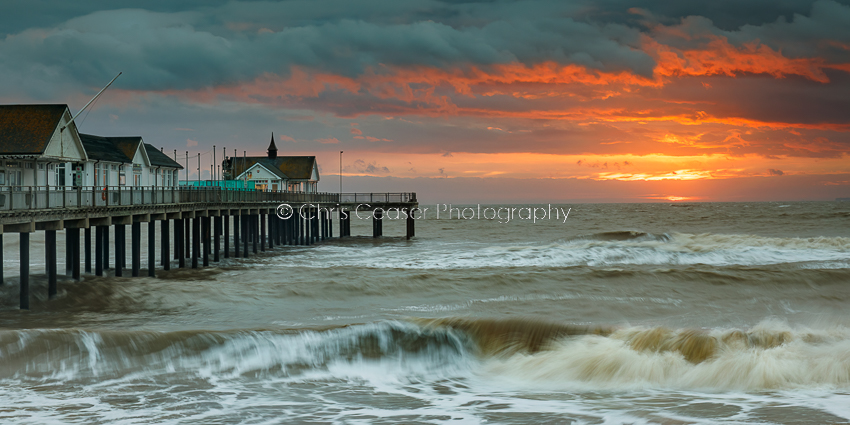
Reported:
(465, 101)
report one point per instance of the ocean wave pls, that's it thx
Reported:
(595, 250)
(529, 353)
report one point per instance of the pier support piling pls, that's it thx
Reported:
(237, 242)
(152, 248)
(196, 240)
(75, 253)
(25, 270)
(178, 242)
(205, 222)
(226, 220)
(50, 262)
(87, 248)
(136, 250)
(377, 223)
(120, 245)
(262, 218)
(165, 244)
(217, 237)
(98, 251)
(245, 236)
(411, 230)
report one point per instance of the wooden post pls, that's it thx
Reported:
(119, 250)
(178, 242)
(196, 241)
(50, 262)
(98, 251)
(226, 220)
(25, 270)
(187, 224)
(255, 231)
(1, 259)
(136, 249)
(237, 243)
(75, 256)
(377, 223)
(106, 248)
(152, 248)
(165, 244)
(87, 248)
(69, 261)
(205, 222)
(217, 238)
(245, 220)
(262, 218)
(410, 224)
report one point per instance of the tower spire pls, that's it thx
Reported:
(272, 148)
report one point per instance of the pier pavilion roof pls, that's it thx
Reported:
(28, 129)
(290, 167)
(159, 159)
(103, 149)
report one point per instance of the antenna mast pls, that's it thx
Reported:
(92, 100)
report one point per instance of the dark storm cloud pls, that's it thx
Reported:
(191, 49)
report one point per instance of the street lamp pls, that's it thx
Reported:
(340, 172)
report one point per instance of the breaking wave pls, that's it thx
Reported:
(533, 353)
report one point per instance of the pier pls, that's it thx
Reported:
(195, 221)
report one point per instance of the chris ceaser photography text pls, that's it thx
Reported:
(501, 214)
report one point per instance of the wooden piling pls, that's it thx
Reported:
(262, 219)
(152, 248)
(205, 233)
(165, 244)
(178, 242)
(237, 242)
(119, 250)
(87, 248)
(50, 262)
(217, 237)
(136, 248)
(75, 253)
(25, 270)
(98, 251)
(226, 220)
(196, 241)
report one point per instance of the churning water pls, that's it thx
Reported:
(625, 313)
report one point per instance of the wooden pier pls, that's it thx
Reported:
(195, 220)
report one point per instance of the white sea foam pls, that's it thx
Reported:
(672, 249)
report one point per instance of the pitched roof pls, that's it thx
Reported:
(291, 167)
(103, 149)
(159, 159)
(127, 144)
(27, 129)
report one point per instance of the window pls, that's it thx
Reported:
(2, 177)
(122, 179)
(40, 166)
(137, 180)
(16, 178)
(96, 170)
(60, 174)
(29, 165)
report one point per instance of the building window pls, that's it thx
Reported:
(2, 177)
(40, 166)
(60, 174)
(16, 178)
(96, 171)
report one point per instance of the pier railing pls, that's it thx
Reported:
(16, 198)
(351, 198)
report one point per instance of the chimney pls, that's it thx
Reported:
(272, 149)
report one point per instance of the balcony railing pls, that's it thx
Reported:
(352, 198)
(15, 198)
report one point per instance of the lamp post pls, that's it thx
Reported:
(340, 172)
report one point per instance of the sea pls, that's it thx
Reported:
(642, 313)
